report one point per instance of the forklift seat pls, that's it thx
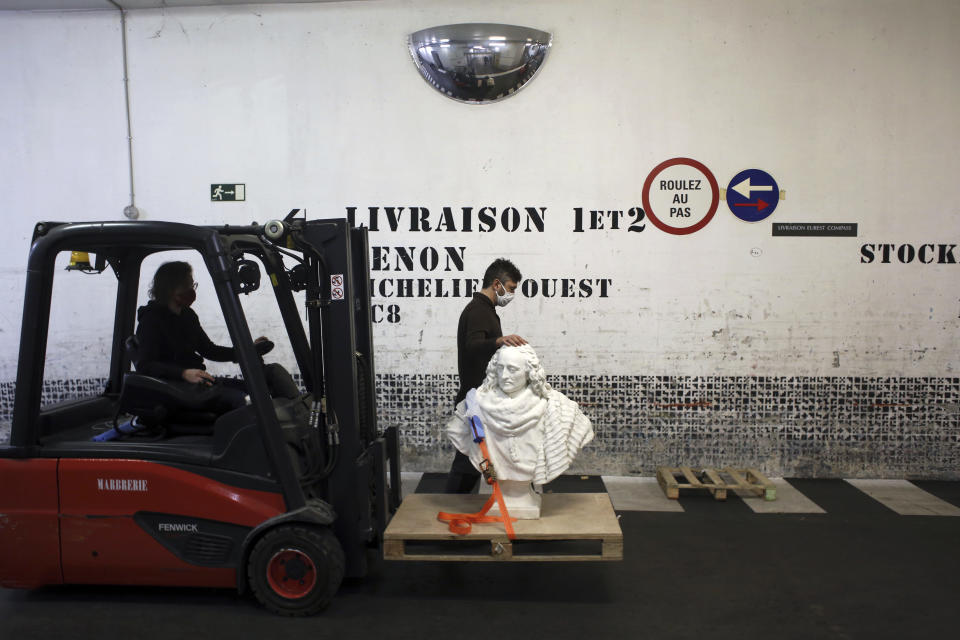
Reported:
(158, 402)
(180, 408)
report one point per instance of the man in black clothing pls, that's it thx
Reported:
(478, 338)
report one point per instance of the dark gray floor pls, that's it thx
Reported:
(716, 571)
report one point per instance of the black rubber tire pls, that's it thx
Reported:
(323, 549)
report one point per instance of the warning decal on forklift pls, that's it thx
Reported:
(336, 286)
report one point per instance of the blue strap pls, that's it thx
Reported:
(128, 427)
(477, 426)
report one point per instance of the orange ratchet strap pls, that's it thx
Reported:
(461, 523)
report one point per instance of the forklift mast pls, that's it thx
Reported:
(338, 307)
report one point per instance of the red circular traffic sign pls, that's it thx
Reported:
(656, 219)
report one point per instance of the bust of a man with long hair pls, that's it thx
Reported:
(533, 431)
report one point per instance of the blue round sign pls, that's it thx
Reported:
(753, 195)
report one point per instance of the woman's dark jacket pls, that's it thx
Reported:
(170, 343)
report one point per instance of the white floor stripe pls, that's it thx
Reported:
(638, 494)
(644, 494)
(905, 498)
(789, 500)
(408, 482)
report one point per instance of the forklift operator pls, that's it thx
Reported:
(172, 344)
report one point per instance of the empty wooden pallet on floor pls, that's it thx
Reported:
(717, 481)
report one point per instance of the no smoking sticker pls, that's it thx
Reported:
(336, 286)
(680, 196)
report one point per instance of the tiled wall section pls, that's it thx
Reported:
(792, 426)
(787, 426)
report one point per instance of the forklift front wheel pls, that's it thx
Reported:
(296, 570)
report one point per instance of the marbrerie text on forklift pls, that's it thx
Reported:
(121, 484)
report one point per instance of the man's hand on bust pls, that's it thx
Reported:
(511, 341)
(197, 376)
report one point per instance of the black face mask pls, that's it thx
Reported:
(186, 298)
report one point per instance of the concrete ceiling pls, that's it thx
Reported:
(88, 5)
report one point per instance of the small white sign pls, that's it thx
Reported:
(336, 286)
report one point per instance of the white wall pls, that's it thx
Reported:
(850, 105)
(62, 139)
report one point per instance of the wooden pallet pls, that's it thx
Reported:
(716, 481)
(572, 527)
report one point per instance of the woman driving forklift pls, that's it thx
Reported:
(172, 344)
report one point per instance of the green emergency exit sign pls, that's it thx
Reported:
(228, 192)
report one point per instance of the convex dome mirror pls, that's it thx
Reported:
(479, 63)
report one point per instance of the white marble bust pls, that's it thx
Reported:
(533, 432)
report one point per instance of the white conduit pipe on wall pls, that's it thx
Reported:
(130, 210)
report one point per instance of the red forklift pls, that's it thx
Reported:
(283, 497)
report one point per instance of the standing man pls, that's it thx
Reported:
(478, 338)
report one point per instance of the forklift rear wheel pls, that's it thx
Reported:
(296, 570)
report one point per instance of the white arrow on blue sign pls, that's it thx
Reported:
(753, 195)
